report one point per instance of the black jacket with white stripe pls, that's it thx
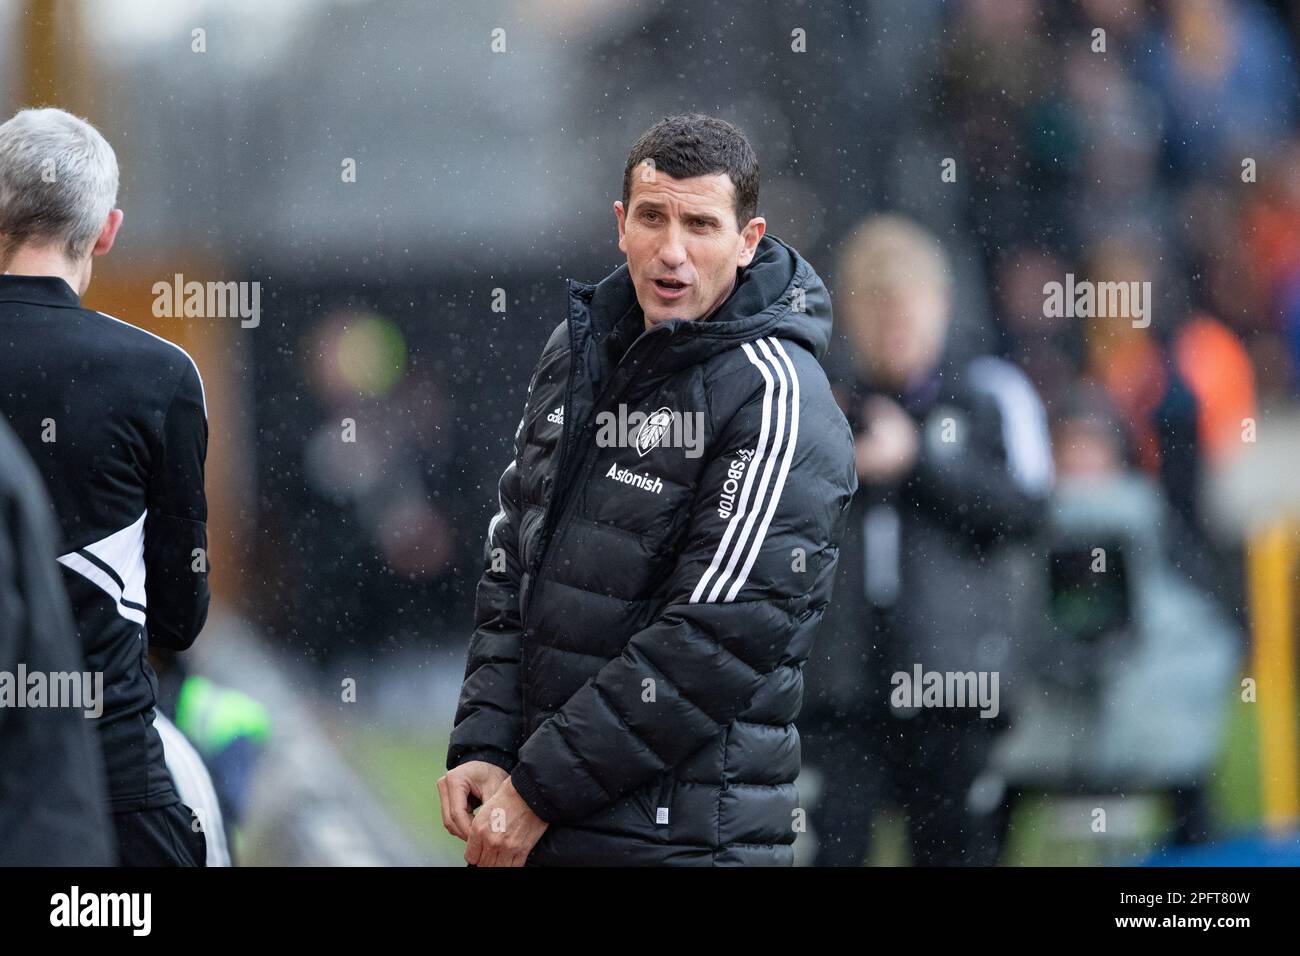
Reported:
(115, 420)
(651, 592)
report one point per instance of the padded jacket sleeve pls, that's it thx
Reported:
(489, 715)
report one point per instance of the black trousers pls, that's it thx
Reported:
(926, 765)
(163, 836)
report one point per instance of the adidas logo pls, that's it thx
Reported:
(556, 417)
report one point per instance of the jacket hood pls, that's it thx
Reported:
(777, 294)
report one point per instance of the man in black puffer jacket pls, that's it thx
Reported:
(665, 544)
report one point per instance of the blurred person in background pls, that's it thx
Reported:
(215, 737)
(1225, 73)
(1045, 347)
(362, 532)
(1141, 377)
(53, 801)
(953, 464)
(1252, 268)
(115, 420)
(1184, 387)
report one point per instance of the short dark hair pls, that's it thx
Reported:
(693, 144)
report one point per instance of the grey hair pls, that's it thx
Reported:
(58, 181)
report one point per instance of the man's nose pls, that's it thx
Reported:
(673, 251)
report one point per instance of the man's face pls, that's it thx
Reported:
(682, 243)
(898, 333)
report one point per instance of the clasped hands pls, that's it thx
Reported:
(504, 830)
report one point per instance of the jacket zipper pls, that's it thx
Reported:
(563, 489)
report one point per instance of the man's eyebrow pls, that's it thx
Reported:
(659, 206)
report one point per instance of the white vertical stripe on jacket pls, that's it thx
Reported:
(781, 450)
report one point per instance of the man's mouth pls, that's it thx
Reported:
(670, 288)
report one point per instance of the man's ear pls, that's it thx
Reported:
(622, 225)
(752, 233)
(108, 235)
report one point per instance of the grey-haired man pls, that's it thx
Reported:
(115, 420)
